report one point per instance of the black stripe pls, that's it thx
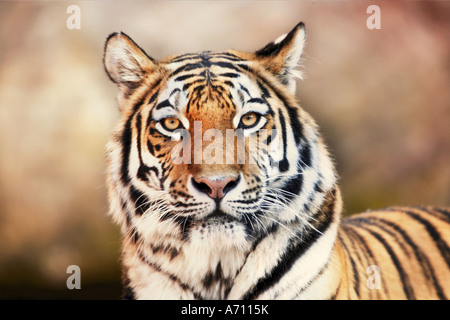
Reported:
(244, 89)
(153, 97)
(334, 295)
(173, 92)
(361, 221)
(293, 187)
(165, 250)
(248, 201)
(185, 77)
(123, 204)
(227, 65)
(403, 276)
(150, 115)
(163, 104)
(268, 140)
(439, 213)
(183, 222)
(150, 147)
(360, 240)
(257, 100)
(353, 243)
(126, 144)
(359, 253)
(186, 86)
(138, 138)
(195, 98)
(294, 251)
(186, 67)
(126, 147)
(185, 205)
(225, 55)
(265, 93)
(230, 75)
(368, 254)
(370, 221)
(134, 235)
(354, 269)
(140, 201)
(443, 211)
(208, 76)
(305, 155)
(420, 255)
(186, 56)
(434, 234)
(284, 164)
(144, 171)
(127, 289)
(217, 280)
(229, 83)
(296, 126)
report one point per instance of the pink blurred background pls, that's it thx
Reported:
(381, 97)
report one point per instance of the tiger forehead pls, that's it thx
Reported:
(205, 59)
(207, 81)
(207, 68)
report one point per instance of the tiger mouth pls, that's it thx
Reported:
(220, 216)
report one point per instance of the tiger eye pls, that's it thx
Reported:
(249, 119)
(171, 123)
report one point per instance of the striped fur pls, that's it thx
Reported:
(276, 232)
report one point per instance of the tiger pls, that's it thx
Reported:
(259, 215)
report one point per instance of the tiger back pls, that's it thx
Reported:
(224, 189)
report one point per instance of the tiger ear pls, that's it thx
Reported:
(282, 56)
(126, 63)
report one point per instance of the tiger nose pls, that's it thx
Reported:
(216, 189)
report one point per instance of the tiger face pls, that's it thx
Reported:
(212, 148)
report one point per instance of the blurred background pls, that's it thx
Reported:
(381, 97)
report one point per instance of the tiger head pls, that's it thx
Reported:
(212, 148)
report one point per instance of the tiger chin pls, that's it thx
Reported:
(224, 189)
